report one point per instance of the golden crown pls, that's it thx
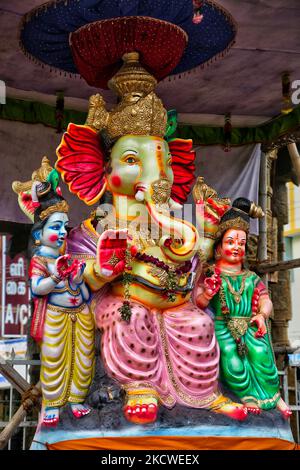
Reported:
(237, 223)
(61, 206)
(38, 175)
(139, 112)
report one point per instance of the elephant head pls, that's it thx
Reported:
(144, 169)
(141, 168)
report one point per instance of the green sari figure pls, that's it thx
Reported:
(242, 306)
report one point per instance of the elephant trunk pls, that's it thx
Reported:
(179, 239)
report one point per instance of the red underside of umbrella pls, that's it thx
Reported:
(98, 47)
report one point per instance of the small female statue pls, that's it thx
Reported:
(62, 321)
(242, 306)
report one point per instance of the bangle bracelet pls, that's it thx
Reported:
(265, 316)
(55, 278)
(262, 314)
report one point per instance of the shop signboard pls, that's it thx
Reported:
(15, 304)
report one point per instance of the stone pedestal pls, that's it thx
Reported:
(178, 428)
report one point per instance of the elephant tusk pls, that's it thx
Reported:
(174, 205)
(140, 195)
(106, 272)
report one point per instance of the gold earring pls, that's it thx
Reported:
(37, 242)
(217, 256)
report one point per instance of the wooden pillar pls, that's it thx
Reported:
(277, 217)
(281, 292)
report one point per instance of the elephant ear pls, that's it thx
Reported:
(80, 160)
(183, 166)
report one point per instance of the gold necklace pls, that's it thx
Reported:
(237, 295)
(141, 236)
(67, 288)
(232, 272)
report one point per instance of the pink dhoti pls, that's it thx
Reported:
(173, 351)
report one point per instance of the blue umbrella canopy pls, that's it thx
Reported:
(45, 31)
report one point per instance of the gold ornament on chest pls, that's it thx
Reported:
(237, 294)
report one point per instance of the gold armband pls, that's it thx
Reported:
(262, 314)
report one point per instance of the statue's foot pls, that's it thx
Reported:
(141, 409)
(253, 408)
(51, 416)
(284, 409)
(79, 410)
(229, 408)
(141, 414)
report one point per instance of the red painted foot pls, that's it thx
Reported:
(80, 410)
(141, 414)
(229, 408)
(287, 413)
(239, 413)
(254, 410)
(51, 417)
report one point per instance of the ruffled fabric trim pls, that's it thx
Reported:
(183, 166)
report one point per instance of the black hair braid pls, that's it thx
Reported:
(242, 204)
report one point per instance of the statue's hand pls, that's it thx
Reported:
(212, 284)
(62, 269)
(261, 325)
(76, 276)
(111, 252)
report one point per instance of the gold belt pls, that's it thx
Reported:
(72, 311)
(236, 325)
(68, 310)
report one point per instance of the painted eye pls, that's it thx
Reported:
(130, 159)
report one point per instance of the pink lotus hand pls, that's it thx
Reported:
(261, 325)
(212, 284)
(62, 269)
(76, 275)
(111, 250)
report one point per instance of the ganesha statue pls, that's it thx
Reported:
(140, 260)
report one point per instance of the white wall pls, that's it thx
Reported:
(292, 231)
(294, 324)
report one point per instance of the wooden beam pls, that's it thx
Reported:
(20, 414)
(278, 266)
(14, 378)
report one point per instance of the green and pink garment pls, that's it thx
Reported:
(252, 376)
